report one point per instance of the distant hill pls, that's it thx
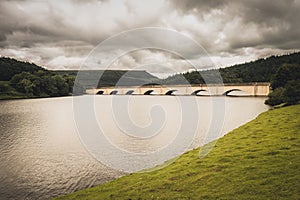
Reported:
(261, 70)
(112, 77)
(10, 67)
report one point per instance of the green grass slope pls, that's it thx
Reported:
(259, 160)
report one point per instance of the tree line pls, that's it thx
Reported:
(261, 70)
(285, 85)
(23, 79)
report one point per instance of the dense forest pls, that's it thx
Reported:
(25, 80)
(286, 85)
(262, 70)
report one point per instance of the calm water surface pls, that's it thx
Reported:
(42, 155)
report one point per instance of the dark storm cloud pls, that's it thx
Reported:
(271, 23)
(62, 33)
(277, 21)
(197, 5)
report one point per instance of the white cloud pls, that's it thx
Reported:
(60, 34)
(63, 62)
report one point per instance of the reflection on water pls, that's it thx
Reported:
(42, 156)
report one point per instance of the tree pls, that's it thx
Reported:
(61, 85)
(292, 92)
(70, 81)
(49, 86)
(19, 81)
(3, 88)
(285, 85)
(27, 86)
(284, 74)
(276, 97)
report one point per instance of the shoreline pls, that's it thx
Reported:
(25, 97)
(2, 98)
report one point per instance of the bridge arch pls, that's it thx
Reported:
(197, 91)
(129, 92)
(232, 90)
(100, 92)
(170, 92)
(148, 92)
(114, 92)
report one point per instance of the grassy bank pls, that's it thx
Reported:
(259, 160)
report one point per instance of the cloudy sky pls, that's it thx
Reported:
(61, 34)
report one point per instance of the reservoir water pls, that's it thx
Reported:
(44, 152)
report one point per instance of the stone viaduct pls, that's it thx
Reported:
(249, 89)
